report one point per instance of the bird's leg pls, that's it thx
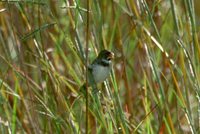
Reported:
(94, 88)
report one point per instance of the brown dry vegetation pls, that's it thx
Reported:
(155, 83)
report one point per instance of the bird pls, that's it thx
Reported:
(99, 70)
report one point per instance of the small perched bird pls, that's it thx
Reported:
(100, 69)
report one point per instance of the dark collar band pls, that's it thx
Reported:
(103, 63)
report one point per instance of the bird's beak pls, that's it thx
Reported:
(111, 55)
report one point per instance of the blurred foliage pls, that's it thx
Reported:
(154, 86)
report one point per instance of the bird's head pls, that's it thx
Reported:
(106, 55)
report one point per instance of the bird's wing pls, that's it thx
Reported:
(90, 68)
(90, 75)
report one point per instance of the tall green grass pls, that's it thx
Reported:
(45, 47)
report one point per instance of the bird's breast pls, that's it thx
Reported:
(100, 73)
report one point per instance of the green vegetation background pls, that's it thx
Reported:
(155, 83)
